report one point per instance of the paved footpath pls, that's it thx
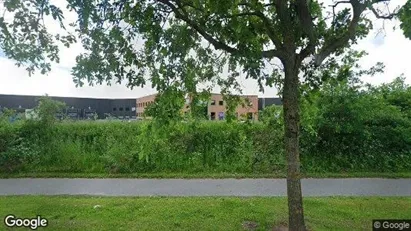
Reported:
(204, 187)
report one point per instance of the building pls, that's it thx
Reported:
(77, 108)
(142, 104)
(215, 108)
(265, 102)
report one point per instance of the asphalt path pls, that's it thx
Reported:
(204, 187)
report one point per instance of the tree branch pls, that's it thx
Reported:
(335, 5)
(217, 44)
(285, 23)
(379, 16)
(267, 24)
(180, 13)
(306, 22)
(340, 41)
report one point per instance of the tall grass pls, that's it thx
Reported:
(144, 147)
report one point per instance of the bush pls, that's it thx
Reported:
(342, 129)
(356, 131)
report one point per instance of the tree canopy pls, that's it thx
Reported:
(176, 39)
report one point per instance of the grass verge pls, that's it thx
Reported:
(203, 175)
(201, 213)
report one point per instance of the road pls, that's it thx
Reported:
(204, 187)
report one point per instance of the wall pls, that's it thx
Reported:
(100, 106)
(217, 108)
(265, 102)
(143, 102)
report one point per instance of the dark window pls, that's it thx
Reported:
(127, 109)
(221, 103)
(212, 117)
(114, 109)
(249, 115)
(212, 102)
(120, 109)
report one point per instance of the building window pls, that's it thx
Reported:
(212, 116)
(221, 116)
(120, 109)
(127, 109)
(249, 115)
(114, 109)
(221, 103)
(213, 103)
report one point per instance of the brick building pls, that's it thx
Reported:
(216, 107)
(142, 103)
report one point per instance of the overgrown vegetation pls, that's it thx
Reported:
(344, 129)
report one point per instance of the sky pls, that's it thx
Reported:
(390, 47)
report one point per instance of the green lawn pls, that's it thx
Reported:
(201, 213)
(204, 175)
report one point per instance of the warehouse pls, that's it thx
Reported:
(77, 108)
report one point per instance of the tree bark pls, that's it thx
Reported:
(291, 140)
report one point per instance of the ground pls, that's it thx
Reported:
(202, 213)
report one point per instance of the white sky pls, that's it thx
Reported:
(392, 49)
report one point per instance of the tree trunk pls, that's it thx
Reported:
(291, 139)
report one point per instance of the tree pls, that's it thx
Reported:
(190, 42)
(47, 109)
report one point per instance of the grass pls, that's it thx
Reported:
(201, 213)
(203, 175)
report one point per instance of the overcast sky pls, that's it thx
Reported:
(392, 49)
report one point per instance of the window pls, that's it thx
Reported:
(221, 103)
(114, 109)
(120, 109)
(212, 116)
(213, 103)
(127, 109)
(221, 116)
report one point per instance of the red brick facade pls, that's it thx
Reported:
(216, 109)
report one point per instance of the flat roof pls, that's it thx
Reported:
(74, 97)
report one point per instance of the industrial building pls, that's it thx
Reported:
(216, 106)
(86, 108)
(77, 108)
